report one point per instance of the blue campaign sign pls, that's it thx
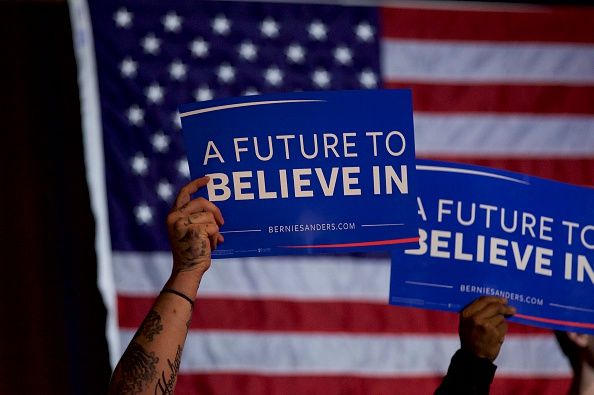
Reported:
(491, 232)
(307, 172)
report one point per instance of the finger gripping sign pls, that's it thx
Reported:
(307, 172)
(492, 232)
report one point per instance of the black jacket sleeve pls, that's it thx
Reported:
(467, 375)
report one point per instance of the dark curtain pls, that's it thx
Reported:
(52, 316)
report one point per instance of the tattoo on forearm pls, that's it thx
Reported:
(166, 383)
(151, 326)
(137, 370)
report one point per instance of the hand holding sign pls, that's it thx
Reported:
(483, 327)
(193, 227)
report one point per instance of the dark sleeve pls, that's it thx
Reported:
(467, 375)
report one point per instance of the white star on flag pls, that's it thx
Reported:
(128, 67)
(203, 93)
(165, 190)
(295, 53)
(274, 76)
(123, 18)
(160, 142)
(176, 119)
(199, 48)
(226, 73)
(368, 79)
(183, 168)
(250, 92)
(248, 50)
(151, 44)
(364, 31)
(317, 30)
(269, 28)
(221, 25)
(154, 93)
(139, 164)
(172, 22)
(321, 78)
(177, 70)
(143, 213)
(135, 115)
(343, 55)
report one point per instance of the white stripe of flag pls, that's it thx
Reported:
(451, 61)
(510, 135)
(299, 278)
(367, 355)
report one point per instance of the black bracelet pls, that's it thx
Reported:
(173, 291)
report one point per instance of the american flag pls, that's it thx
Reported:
(509, 86)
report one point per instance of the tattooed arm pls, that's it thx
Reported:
(151, 361)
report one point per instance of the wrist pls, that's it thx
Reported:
(467, 365)
(483, 349)
(185, 281)
(476, 357)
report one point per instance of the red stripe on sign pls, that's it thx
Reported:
(586, 325)
(495, 98)
(360, 244)
(291, 316)
(548, 24)
(578, 171)
(237, 383)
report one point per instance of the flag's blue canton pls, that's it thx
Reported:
(153, 56)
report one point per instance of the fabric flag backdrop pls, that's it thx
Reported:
(497, 85)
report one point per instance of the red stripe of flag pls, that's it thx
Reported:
(559, 24)
(267, 315)
(497, 98)
(253, 384)
(578, 171)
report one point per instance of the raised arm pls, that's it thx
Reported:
(482, 329)
(151, 362)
